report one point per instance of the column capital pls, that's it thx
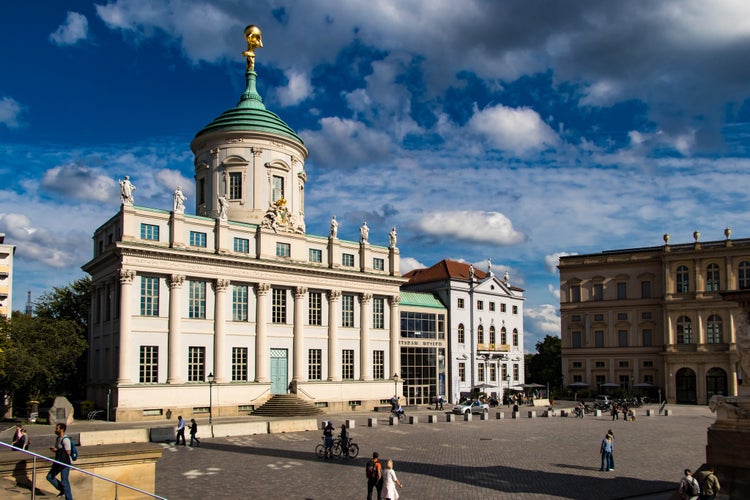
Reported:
(220, 285)
(365, 298)
(394, 300)
(262, 288)
(333, 295)
(126, 276)
(175, 280)
(300, 292)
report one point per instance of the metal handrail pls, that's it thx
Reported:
(33, 473)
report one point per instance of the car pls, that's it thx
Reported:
(602, 401)
(471, 407)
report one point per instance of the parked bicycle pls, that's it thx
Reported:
(350, 450)
(320, 449)
(400, 413)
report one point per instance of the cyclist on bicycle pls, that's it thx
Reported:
(328, 435)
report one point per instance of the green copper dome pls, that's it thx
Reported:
(250, 115)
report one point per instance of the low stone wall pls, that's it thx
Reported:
(236, 429)
(114, 436)
(281, 426)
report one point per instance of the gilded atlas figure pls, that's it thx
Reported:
(254, 40)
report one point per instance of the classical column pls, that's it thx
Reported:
(261, 340)
(220, 334)
(396, 335)
(126, 347)
(298, 350)
(334, 367)
(174, 366)
(365, 358)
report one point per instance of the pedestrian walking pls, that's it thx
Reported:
(611, 465)
(390, 481)
(689, 487)
(709, 483)
(17, 436)
(62, 449)
(374, 473)
(606, 452)
(180, 431)
(194, 432)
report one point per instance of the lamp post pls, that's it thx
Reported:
(507, 379)
(395, 385)
(210, 402)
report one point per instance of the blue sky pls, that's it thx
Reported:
(512, 130)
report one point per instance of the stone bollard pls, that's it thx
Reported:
(450, 417)
(431, 419)
(467, 417)
(350, 423)
(515, 414)
(393, 420)
(499, 415)
(484, 416)
(532, 414)
(563, 413)
(372, 422)
(667, 413)
(649, 412)
(597, 413)
(413, 419)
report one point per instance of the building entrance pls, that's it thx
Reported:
(685, 386)
(716, 383)
(418, 395)
(279, 371)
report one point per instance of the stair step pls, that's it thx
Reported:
(287, 405)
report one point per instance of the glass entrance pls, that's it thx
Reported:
(418, 395)
(716, 383)
(685, 388)
(279, 371)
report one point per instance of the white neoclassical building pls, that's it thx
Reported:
(239, 293)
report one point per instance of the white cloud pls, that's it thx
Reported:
(551, 261)
(73, 30)
(9, 111)
(347, 143)
(296, 90)
(171, 179)
(554, 290)
(407, 264)
(543, 319)
(56, 249)
(78, 181)
(468, 225)
(515, 130)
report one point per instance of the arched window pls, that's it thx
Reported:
(503, 336)
(684, 330)
(461, 333)
(683, 279)
(713, 281)
(492, 334)
(480, 335)
(744, 275)
(515, 337)
(713, 329)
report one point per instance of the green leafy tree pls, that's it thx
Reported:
(70, 302)
(545, 367)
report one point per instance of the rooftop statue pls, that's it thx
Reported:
(254, 40)
(179, 201)
(364, 232)
(126, 191)
(334, 227)
(392, 236)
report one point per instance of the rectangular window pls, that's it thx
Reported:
(347, 260)
(378, 313)
(647, 337)
(201, 191)
(235, 185)
(149, 364)
(283, 249)
(149, 296)
(648, 364)
(462, 372)
(622, 290)
(646, 315)
(197, 239)
(624, 364)
(493, 373)
(577, 364)
(239, 303)
(149, 232)
(622, 338)
(480, 305)
(504, 371)
(515, 371)
(600, 379)
(378, 264)
(599, 364)
(314, 309)
(278, 306)
(575, 293)
(347, 310)
(624, 382)
(239, 364)
(480, 372)
(515, 309)
(277, 188)
(196, 364)
(649, 379)
(242, 245)
(378, 365)
(314, 366)
(622, 316)
(315, 255)
(598, 317)
(197, 300)
(575, 317)
(347, 364)
(598, 292)
(599, 338)
(577, 378)
(502, 308)
(645, 289)
(460, 303)
(492, 307)
(576, 339)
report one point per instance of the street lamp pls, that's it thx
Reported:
(507, 379)
(210, 402)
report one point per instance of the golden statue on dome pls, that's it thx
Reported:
(254, 40)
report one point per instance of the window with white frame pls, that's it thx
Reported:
(315, 255)
(462, 372)
(314, 309)
(149, 364)
(239, 302)
(515, 309)
(314, 366)
(461, 333)
(347, 364)
(460, 303)
(347, 310)
(503, 335)
(197, 300)
(683, 280)
(684, 330)
(713, 278)
(242, 245)
(515, 371)
(149, 232)
(277, 188)
(235, 185)
(492, 334)
(493, 373)
(149, 296)
(196, 364)
(480, 334)
(239, 364)
(378, 264)
(743, 275)
(378, 313)
(278, 306)
(480, 372)
(283, 249)
(347, 260)
(378, 365)
(197, 239)
(713, 329)
(515, 337)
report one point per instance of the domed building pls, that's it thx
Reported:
(218, 312)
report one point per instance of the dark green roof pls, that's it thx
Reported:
(250, 114)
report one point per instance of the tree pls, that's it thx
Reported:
(545, 367)
(71, 302)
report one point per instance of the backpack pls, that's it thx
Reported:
(692, 488)
(371, 470)
(73, 449)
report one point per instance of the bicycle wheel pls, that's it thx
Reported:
(353, 450)
(320, 451)
(336, 450)
(402, 416)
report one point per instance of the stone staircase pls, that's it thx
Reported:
(287, 405)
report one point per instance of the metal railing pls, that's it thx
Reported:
(71, 467)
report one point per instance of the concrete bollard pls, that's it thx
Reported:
(450, 417)
(667, 413)
(649, 412)
(413, 419)
(563, 413)
(532, 414)
(350, 423)
(597, 413)
(484, 416)
(499, 415)
(467, 417)
(393, 420)
(431, 419)
(372, 422)
(515, 414)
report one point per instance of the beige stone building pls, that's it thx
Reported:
(642, 317)
(6, 277)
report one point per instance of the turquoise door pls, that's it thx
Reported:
(279, 371)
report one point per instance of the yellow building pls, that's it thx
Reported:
(653, 319)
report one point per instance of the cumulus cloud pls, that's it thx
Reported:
(78, 182)
(539, 322)
(347, 143)
(551, 261)
(296, 90)
(514, 130)
(171, 179)
(56, 249)
(554, 290)
(474, 226)
(407, 264)
(9, 111)
(73, 30)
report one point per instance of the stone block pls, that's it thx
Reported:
(431, 419)
(117, 436)
(372, 422)
(467, 417)
(450, 417)
(484, 416)
(274, 426)
(499, 415)
(392, 420)
(515, 414)
(597, 413)
(667, 412)
(532, 414)
(162, 434)
(61, 412)
(413, 419)
(650, 412)
(350, 423)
